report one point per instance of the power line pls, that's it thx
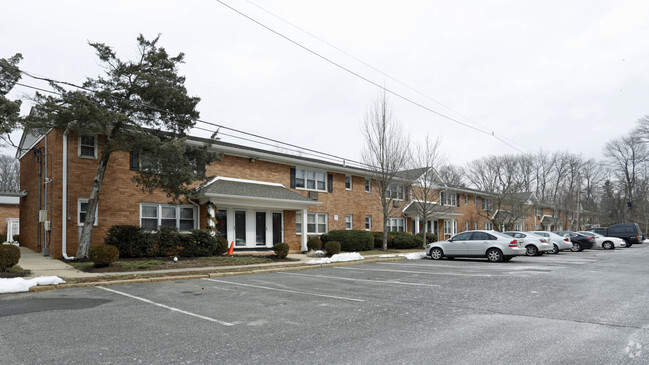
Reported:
(378, 70)
(490, 133)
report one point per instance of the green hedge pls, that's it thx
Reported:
(133, 241)
(281, 250)
(350, 240)
(430, 237)
(9, 256)
(332, 247)
(401, 240)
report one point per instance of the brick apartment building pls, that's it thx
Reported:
(9, 214)
(258, 197)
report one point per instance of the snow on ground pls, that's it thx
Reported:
(410, 256)
(349, 256)
(17, 285)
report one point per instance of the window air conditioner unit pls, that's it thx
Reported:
(313, 195)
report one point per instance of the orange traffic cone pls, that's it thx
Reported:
(231, 250)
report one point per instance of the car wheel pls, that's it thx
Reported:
(555, 249)
(628, 243)
(607, 245)
(494, 255)
(436, 253)
(576, 247)
(531, 250)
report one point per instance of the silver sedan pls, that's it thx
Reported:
(493, 245)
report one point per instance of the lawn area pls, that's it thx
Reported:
(165, 263)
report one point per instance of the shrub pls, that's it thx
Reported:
(350, 240)
(281, 250)
(199, 243)
(16, 238)
(314, 244)
(223, 246)
(3, 237)
(9, 256)
(378, 239)
(168, 241)
(406, 240)
(131, 241)
(430, 237)
(332, 247)
(103, 255)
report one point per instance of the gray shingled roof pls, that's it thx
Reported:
(249, 189)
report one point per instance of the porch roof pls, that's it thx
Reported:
(249, 193)
(436, 211)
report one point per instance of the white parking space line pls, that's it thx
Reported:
(287, 290)
(363, 280)
(167, 307)
(417, 272)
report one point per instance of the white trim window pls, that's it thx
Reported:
(368, 185)
(316, 223)
(448, 198)
(487, 204)
(368, 222)
(517, 227)
(183, 217)
(538, 211)
(489, 226)
(396, 225)
(82, 210)
(310, 179)
(448, 228)
(395, 192)
(466, 225)
(475, 225)
(87, 146)
(348, 182)
(349, 222)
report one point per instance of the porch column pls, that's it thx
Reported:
(304, 231)
(211, 226)
(417, 224)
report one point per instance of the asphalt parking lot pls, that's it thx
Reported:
(572, 308)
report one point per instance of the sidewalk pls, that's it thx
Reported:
(40, 265)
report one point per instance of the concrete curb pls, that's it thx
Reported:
(253, 270)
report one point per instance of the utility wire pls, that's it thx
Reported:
(298, 149)
(377, 70)
(489, 133)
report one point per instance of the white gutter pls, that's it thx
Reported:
(64, 199)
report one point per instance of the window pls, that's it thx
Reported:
(466, 199)
(348, 182)
(517, 227)
(538, 212)
(486, 204)
(368, 185)
(183, 217)
(466, 225)
(395, 192)
(489, 226)
(222, 223)
(475, 224)
(447, 198)
(88, 146)
(311, 180)
(316, 223)
(348, 222)
(396, 225)
(448, 227)
(368, 222)
(82, 210)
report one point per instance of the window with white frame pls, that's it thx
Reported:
(349, 224)
(466, 225)
(82, 210)
(310, 179)
(153, 216)
(396, 225)
(517, 227)
(454, 227)
(475, 224)
(368, 222)
(489, 226)
(448, 227)
(348, 182)
(316, 223)
(88, 146)
(395, 192)
(538, 211)
(448, 198)
(466, 199)
(368, 185)
(487, 204)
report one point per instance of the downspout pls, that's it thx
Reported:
(198, 213)
(64, 199)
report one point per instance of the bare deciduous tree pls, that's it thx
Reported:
(9, 174)
(386, 153)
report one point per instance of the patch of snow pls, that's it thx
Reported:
(415, 256)
(387, 255)
(18, 285)
(349, 256)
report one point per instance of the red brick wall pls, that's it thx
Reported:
(7, 211)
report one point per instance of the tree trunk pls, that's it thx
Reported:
(385, 234)
(89, 223)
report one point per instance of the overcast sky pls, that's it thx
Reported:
(556, 75)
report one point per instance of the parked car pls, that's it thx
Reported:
(579, 241)
(607, 243)
(629, 232)
(493, 245)
(598, 230)
(559, 243)
(533, 243)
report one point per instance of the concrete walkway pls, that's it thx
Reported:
(40, 265)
